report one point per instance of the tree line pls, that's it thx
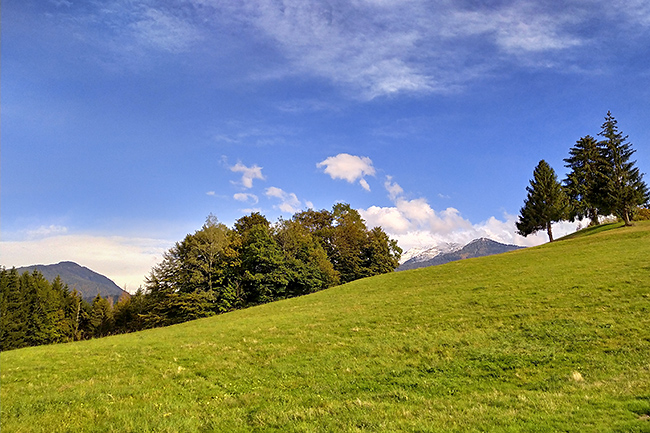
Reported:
(34, 311)
(214, 270)
(602, 180)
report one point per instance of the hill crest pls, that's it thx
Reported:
(80, 278)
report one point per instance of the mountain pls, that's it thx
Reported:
(85, 281)
(451, 252)
(423, 254)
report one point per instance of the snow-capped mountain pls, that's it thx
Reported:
(449, 252)
(420, 254)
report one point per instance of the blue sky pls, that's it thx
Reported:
(126, 122)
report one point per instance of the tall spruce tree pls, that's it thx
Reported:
(624, 190)
(545, 204)
(585, 180)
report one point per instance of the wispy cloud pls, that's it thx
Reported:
(383, 48)
(348, 167)
(370, 48)
(163, 30)
(46, 231)
(289, 202)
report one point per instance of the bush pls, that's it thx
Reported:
(643, 214)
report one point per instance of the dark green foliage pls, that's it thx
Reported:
(306, 264)
(585, 181)
(381, 254)
(35, 311)
(602, 181)
(101, 317)
(178, 307)
(217, 269)
(129, 311)
(546, 202)
(202, 263)
(14, 318)
(354, 251)
(263, 273)
(624, 190)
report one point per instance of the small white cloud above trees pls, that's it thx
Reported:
(248, 174)
(289, 202)
(348, 167)
(246, 197)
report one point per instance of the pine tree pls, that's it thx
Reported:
(624, 190)
(101, 317)
(545, 204)
(585, 180)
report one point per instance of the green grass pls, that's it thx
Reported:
(547, 339)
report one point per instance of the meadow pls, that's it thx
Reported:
(547, 339)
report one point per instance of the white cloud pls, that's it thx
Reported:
(393, 188)
(245, 197)
(450, 226)
(126, 261)
(248, 174)
(348, 167)
(414, 223)
(289, 202)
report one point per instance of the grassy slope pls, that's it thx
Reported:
(552, 338)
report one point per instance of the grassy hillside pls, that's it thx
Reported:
(552, 338)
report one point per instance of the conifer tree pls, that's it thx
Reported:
(545, 204)
(101, 317)
(585, 180)
(624, 190)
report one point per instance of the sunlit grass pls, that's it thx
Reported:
(552, 338)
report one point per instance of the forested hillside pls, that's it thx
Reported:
(212, 271)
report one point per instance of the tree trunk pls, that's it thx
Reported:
(550, 233)
(594, 217)
(626, 218)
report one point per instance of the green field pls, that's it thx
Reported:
(547, 339)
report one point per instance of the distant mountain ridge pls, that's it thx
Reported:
(86, 282)
(451, 252)
(427, 253)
